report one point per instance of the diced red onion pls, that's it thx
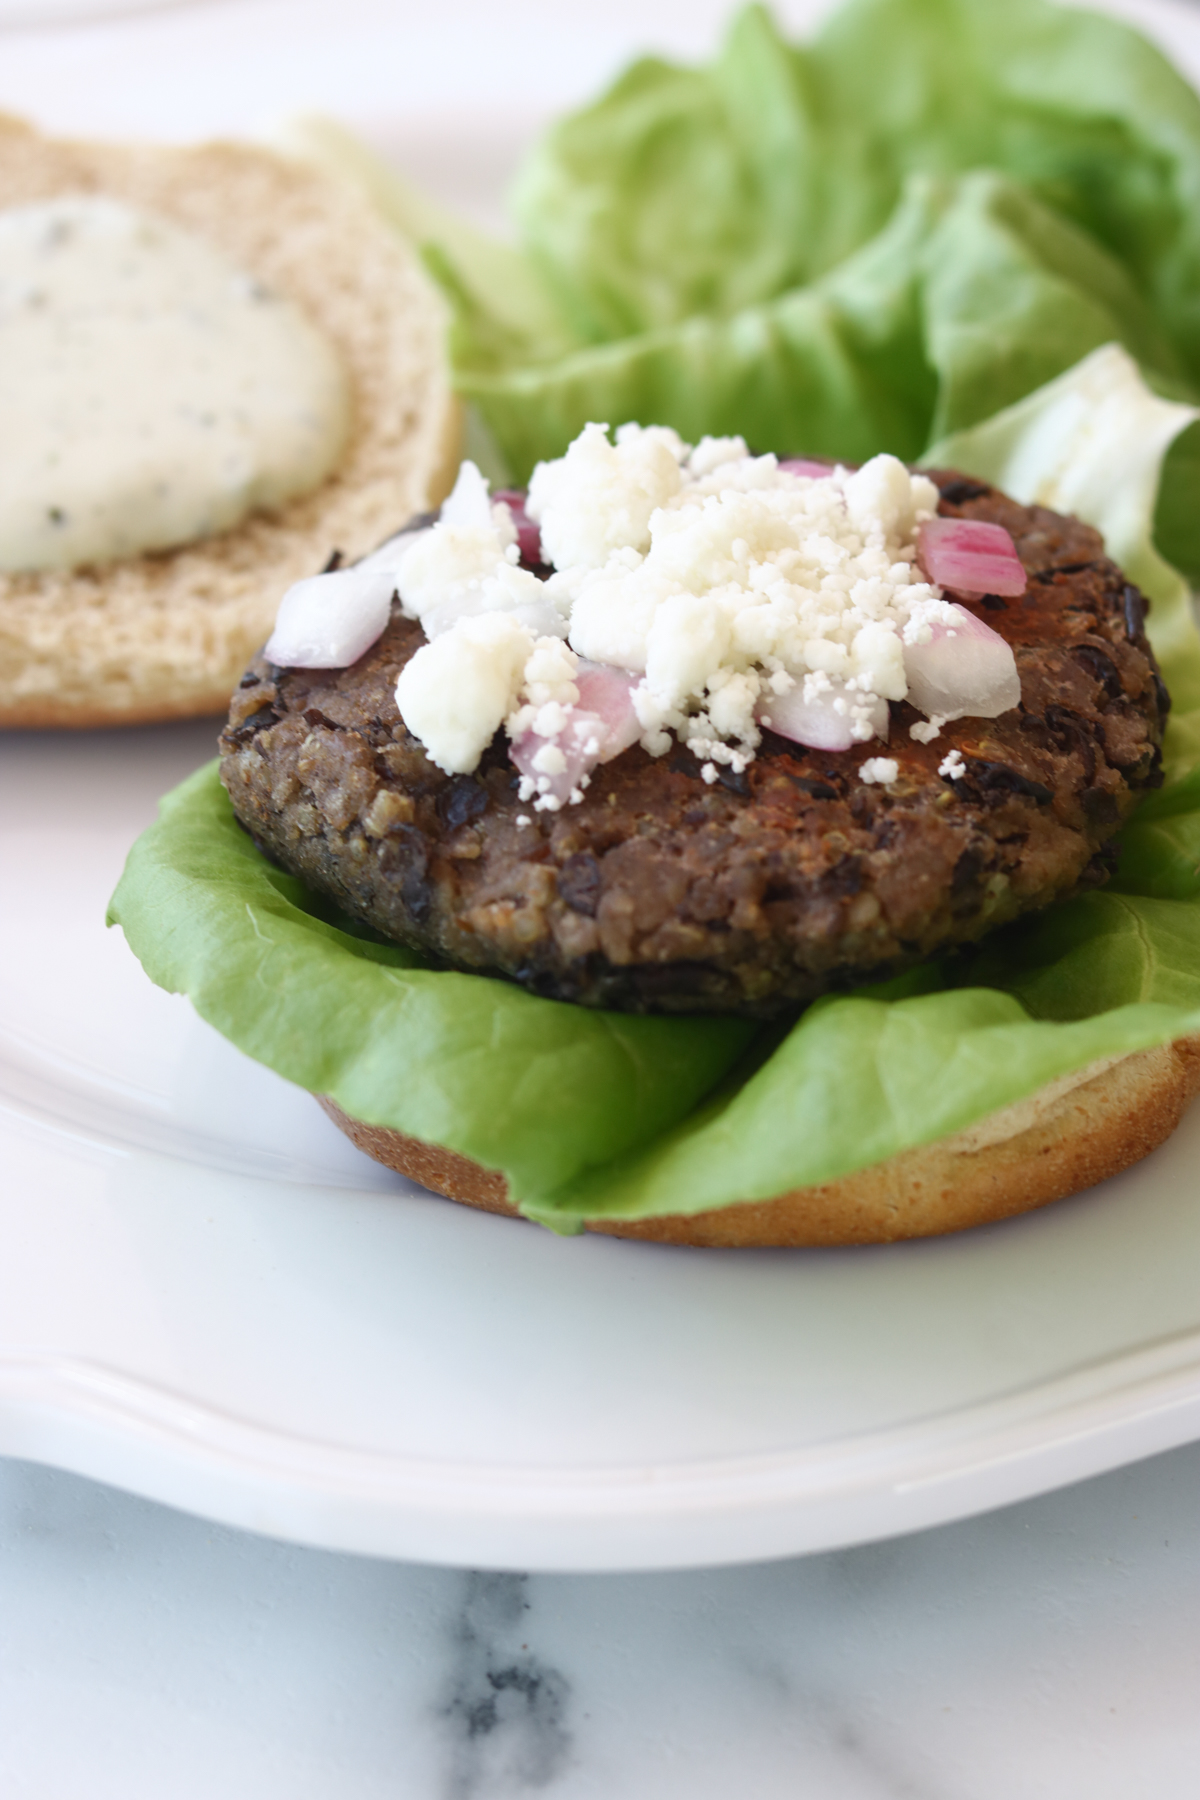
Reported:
(529, 536)
(965, 671)
(607, 694)
(799, 465)
(579, 742)
(597, 728)
(391, 554)
(819, 723)
(970, 556)
(329, 621)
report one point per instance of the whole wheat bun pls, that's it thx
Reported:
(167, 635)
(1068, 1136)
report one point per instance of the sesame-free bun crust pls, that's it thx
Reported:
(1067, 1137)
(167, 635)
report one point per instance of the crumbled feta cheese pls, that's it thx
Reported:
(508, 590)
(464, 563)
(877, 660)
(886, 503)
(952, 767)
(714, 453)
(550, 675)
(732, 705)
(633, 433)
(448, 565)
(927, 611)
(780, 575)
(727, 582)
(467, 505)
(925, 730)
(611, 620)
(880, 769)
(747, 474)
(550, 760)
(456, 692)
(686, 646)
(599, 497)
(548, 690)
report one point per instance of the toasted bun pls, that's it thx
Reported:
(1069, 1136)
(168, 635)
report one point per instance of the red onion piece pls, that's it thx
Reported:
(329, 621)
(817, 722)
(965, 671)
(799, 465)
(529, 536)
(607, 694)
(579, 742)
(597, 728)
(970, 556)
(391, 554)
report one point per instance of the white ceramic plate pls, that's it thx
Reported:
(206, 1295)
(35, 14)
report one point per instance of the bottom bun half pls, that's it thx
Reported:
(1068, 1136)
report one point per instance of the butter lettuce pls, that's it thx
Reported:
(541, 1090)
(591, 1114)
(972, 295)
(594, 1114)
(867, 242)
(1092, 443)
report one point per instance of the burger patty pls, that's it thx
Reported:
(661, 893)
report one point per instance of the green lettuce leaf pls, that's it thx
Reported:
(687, 191)
(539, 1089)
(594, 1114)
(865, 243)
(857, 1081)
(1092, 443)
(972, 294)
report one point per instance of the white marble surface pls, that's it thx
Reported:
(1049, 1651)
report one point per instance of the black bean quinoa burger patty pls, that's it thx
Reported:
(660, 893)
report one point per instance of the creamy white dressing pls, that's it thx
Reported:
(151, 393)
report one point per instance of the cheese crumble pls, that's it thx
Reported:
(926, 730)
(722, 580)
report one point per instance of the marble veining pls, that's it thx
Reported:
(1048, 1651)
(507, 1711)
